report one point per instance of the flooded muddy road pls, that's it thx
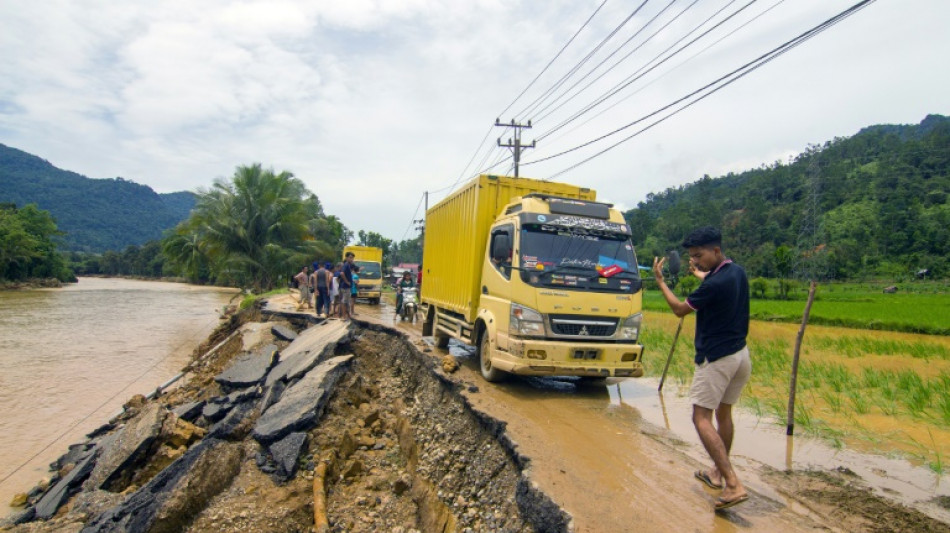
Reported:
(618, 457)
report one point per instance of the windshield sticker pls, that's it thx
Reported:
(604, 260)
(581, 263)
(584, 223)
(532, 264)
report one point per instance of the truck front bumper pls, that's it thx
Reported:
(542, 357)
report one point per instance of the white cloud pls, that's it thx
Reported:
(371, 102)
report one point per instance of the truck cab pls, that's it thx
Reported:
(369, 259)
(560, 292)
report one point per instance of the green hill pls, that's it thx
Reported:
(879, 198)
(95, 214)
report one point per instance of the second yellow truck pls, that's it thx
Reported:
(370, 261)
(539, 276)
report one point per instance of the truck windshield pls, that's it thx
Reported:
(368, 269)
(563, 257)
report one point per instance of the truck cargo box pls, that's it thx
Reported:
(456, 233)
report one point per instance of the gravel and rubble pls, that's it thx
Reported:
(296, 426)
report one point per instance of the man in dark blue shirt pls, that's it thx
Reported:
(722, 358)
(346, 284)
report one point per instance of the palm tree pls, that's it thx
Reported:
(253, 228)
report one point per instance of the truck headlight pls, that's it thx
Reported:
(525, 321)
(630, 329)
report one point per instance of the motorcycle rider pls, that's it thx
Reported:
(404, 283)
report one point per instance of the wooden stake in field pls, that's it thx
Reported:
(670, 357)
(790, 421)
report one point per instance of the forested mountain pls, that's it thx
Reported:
(95, 214)
(871, 205)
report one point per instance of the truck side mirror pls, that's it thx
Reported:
(500, 247)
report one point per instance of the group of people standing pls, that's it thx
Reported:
(330, 290)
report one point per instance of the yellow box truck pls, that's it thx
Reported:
(538, 276)
(370, 261)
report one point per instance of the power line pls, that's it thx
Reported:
(685, 61)
(522, 93)
(533, 105)
(553, 59)
(624, 58)
(412, 219)
(722, 82)
(639, 74)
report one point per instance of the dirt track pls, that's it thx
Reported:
(612, 471)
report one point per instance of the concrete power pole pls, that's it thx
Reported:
(516, 146)
(421, 222)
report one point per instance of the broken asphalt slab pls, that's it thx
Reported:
(301, 405)
(285, 454)
(125, 449)
(56, 496)
(179, 492)
(248, 370)
(306, 350)
(283, 332)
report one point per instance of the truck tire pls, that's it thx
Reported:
(491, 374)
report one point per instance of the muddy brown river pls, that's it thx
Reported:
(70, 357)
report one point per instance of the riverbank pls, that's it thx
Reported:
(267, 423)
(32, 283)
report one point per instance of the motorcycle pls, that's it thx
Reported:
(410, 306)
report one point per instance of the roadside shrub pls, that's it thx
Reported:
(760, 287)
(687, 285)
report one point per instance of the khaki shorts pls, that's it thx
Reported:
(721, 381)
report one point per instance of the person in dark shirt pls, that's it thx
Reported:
(723, 367)
(346, 284)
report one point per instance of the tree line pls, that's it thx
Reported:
(27, 245)
(873, 205)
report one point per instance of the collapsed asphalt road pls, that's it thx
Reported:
(288, 424)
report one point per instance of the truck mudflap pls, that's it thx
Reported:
(547, 358)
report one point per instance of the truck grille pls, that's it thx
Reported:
(583, 326)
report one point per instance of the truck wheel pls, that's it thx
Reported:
(490, 373)
(375, 301)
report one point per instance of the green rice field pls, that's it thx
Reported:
(925, 310)
(859, 386)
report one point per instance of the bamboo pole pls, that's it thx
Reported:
(670, 357)
(320, 522)
(793, 382)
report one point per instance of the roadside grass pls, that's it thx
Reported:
(879, 392)
(249, 300)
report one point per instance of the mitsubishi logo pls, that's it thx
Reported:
(583, 331)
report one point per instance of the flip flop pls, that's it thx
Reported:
(703, 476)
(725, 504)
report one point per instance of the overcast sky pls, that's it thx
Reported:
(372, 102)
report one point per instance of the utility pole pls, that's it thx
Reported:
(421, 222)
(516, 146)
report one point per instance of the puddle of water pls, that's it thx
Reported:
(762, 441)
